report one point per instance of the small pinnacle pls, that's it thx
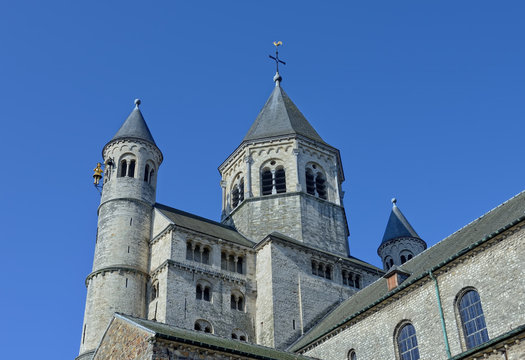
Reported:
(394, 200)
(137, 103)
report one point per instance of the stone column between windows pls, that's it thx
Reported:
(248, 189)
(274, 189)
(296, 153)
(223, 186)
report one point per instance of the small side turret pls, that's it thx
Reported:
(120, 266)
(400, 242)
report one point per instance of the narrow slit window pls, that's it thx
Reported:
(146, 173)
(320, 185)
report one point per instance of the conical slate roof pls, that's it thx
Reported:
(398, 226)
(280, 116)
(135, 127)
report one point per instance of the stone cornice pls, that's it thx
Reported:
(115, 268)
(241, 279)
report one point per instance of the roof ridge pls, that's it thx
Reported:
(198, 217)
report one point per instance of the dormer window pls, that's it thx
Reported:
(315, 181)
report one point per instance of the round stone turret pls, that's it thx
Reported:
(120, 267)
(400, 242)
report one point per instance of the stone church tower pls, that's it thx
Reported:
(120, 267)
(284, 177)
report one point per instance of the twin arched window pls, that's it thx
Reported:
(405, 256)
(407, 342)
(238, 334)
(127, 167)
(273, 179)
(237, 301)
(232, 262)
(203, 292)
(472, 319)
(203, 325)
(237, 193)
(316, 182)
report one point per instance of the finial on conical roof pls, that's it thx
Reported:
(137, 103)
(394, 201)
(277, 79)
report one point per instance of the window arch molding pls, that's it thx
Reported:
(272, 177)
(405, 341)
(470, 318)
(316, 180)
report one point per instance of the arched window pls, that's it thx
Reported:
(197, 253)
(237, 301)
(310, 182)
(237, 192)
(154, 290)
(403, 259)
(352, 355)
(131, 169)
(315, 181)
(203, 291)
(273, 178)
(280, 180)
(407, 343)
(151, 173)
(472, 319)
(239, 334)
(123, 168)
(405, 256)
(203, 325)
(146, 173)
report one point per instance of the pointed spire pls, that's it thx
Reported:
(135, 127)
(398, 226)
(280, 116)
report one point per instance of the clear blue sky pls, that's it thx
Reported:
(425, 100)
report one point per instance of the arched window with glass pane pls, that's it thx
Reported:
(472, 319)
(352, 355)
(407, 343)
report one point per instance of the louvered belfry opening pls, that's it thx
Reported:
(267, 182)
(235, 197)
(280, 181)
(320, 185)
(310, 182)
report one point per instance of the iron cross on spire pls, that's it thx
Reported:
(276, 57)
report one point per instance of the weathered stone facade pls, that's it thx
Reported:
(277, 270)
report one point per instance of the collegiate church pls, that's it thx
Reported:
(275, 279)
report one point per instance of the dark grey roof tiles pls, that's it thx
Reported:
(477, 231)
(203, 225)
(278, 117)
(398, 226)
(135, 127)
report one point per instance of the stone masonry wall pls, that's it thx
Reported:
(124, 341)
(299, 298)
(497, 273)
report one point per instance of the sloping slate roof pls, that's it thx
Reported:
(478, 230)
(280, 116)
(353, 259)
(135, 127)
(211, 341)
(203, 225)
(398, 226)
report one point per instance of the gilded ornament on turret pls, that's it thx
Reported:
(98, 174)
